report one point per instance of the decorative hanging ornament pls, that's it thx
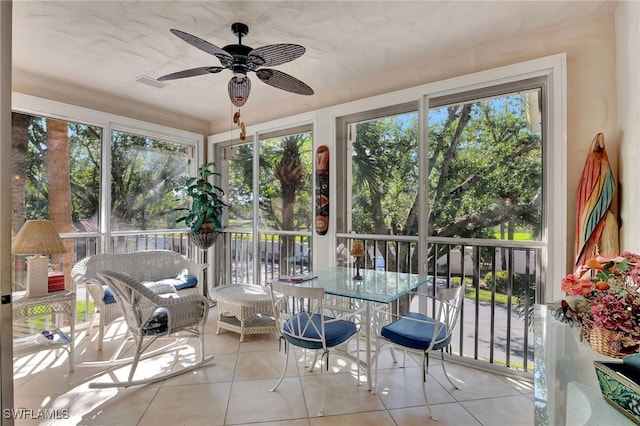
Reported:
(236, 120)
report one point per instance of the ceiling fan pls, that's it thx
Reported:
(241, 59)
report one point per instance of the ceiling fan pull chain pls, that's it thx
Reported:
(236, 120)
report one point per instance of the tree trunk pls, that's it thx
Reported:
(290, 174)
(19, 147)
(59, 178)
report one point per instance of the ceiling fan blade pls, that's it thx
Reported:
(283, 81)
(239, 90)
(275, 54)
(225, 58)
(190, 73)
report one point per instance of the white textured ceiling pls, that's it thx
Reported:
(104, 46)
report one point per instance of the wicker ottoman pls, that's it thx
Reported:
(244, 309)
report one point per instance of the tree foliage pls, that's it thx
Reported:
(144, 174)
(484, 172)
(30, 149)
(285, 182)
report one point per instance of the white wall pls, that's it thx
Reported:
(627, 19)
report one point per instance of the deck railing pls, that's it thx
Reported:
(500, 278)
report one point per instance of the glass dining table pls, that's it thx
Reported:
(375, 287)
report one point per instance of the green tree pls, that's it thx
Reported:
(285, 185)
(285, 182)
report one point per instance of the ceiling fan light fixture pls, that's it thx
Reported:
(239, 90)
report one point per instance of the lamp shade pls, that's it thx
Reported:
(357, 249)
(37, 237)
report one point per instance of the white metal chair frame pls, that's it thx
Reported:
(446, 306)
(139, 305)
(295, 308)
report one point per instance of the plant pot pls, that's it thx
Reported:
(203, 240)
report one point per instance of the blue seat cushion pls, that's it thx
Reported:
(108, 296)
(179, 282)
(158, 324)
(414, 334)
(336, 332)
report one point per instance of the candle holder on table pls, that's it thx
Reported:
(357, 251)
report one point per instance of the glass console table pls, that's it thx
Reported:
(566, 387)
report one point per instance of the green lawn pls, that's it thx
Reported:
(485, 296)
(40, 321)
(517, 236)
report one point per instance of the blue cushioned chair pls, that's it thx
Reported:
(305, 321)
(416, 332)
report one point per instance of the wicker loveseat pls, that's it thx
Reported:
(159, 266)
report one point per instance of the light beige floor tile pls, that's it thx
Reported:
(55, 381)
(477, 384)
(297, 422)
(402, 387)
(251, 401)
(149, 368)
(188, 405)
(338, 363)
(225, 342)
(510, 411)
(111, 406)
(263, 365)
(368, 418)
(259, 342)
(385, 359)
(447, 414)
(219, 370)
(343, 395)
(233, 389)
(522, 385)
(27, 408)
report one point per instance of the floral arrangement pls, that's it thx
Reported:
(604, 293)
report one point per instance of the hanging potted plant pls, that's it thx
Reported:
(204, 218)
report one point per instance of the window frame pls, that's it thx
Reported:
(555, 186)
(32, 105)
(217, 145)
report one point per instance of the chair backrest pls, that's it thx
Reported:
(299, 313)
(450, 304)
(144, 265)
(136, 302)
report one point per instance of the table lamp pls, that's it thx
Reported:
(35, 238)
(357, 250)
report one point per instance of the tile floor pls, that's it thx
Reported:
(233, 389)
